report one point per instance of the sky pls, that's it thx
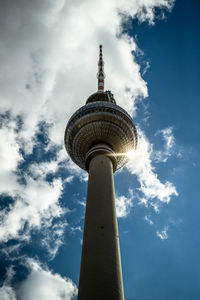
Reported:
(49, 54)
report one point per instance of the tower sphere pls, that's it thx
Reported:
(100, 121)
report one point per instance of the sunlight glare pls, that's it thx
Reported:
(130, 153)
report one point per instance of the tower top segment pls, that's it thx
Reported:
(100, 124)
(100, 74)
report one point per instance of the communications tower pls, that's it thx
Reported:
(98, 137)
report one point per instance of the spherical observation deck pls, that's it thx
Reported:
(100, 121)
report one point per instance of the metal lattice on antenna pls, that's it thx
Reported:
(100, 74)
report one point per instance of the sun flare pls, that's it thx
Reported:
(130, 153)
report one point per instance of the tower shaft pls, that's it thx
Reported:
(100, 275)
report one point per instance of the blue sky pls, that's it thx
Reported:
(49, 54)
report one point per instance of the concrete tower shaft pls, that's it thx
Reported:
(100, 275)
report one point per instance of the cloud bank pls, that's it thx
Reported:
(41, 283)
(141, 164)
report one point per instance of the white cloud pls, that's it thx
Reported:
(11, 250)
(163, 234)
(168, 138)
(155, 206)
(124, 204)
(75, 229)
(42, 169)
(36, 203)
(9, 149)
(148, 219)
(35, 200)
(141, 165)
(7, 293)
(143, 201)
(10, 156)
(45, 59)
(169, 145)
(45, 285)
(76, 171)
(69, 179)
(146, 9)
(41, 283)
(53, 237)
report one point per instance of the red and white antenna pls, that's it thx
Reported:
(100, 74)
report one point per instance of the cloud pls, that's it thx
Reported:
(10, 155)
(34, 202)
(53, 237)
(148, 220)
(163, 234)
(43, 284)
(169, 145)
(141, 165)
(146, 9)
(124, 204)
(45, 60)
(7, 293)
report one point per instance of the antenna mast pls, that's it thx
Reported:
(100, 74)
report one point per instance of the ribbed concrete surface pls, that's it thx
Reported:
(100, 275)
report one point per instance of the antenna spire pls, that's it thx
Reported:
(100, 74)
